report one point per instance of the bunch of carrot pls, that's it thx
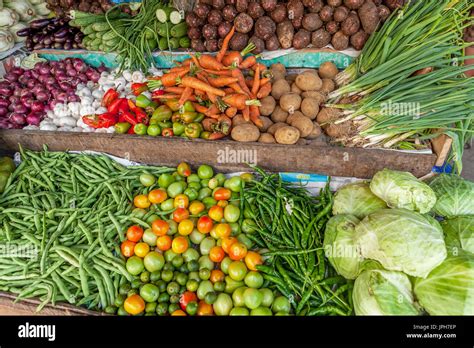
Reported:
(220, 86)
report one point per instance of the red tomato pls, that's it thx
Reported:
(127, 248)
(160, 227)
(185, 298)
(180, 214)
(222, 194)
(216, 213)
(134, 233)
(205, 224)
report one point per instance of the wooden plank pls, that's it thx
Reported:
(226, 155)
(28, 307)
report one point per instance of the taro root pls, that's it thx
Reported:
(209, 32)
(359, 39)
(194, 33)
(384, 12)
(314, 6)
(214, 17)
(192, 20)
(340, 41)
(332, 27)
(354, 4)
(264, 27)
(320, 38)
(223, 29)
(302, 39)
(243, 23)
(239, 41)
(285, 33)
(272, 43)
(295, 9)
(394, 4)
(334, 3)
(311, 22)
(326, 14)
(351, 25)
(241, 5)
(369, 17)
(211, 45)
(269, 5)
(198, 46)
(202, 10)
(229, 13)
(218, 4)
(255, 10)
(297, 22)
(341, 13)
(259, 44)
(279, 14)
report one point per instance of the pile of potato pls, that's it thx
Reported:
(289, 114)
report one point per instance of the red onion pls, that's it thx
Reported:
(34, 74)
(52, 86)
(101, 68)
(61, 77)
(3, 111)
(27, 101)
(34, 118)
(53, 103)
(18, 118)
(4, 84)
(73, 98)
(36, 89)
(65, 86)
(6, 92)
(31, 83)
(20, 109)
(17, 70)
(42, 96)
(44, 70)
(71, 72)
(12, 77)
(37, 106)
(28, 74)
(17, 92)
(5, 123)
(61, 97)
(82, 78)
(50, 80)
(14, 99)
(79, 65)
(4, 102)
(25, 92)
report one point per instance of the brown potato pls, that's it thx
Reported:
(291, 78)
(328, 70)
(245, 133)
(316, 132)
(268, 105)
(340, 41)
(321, 98)
(274, 127)
(266, 123)
(308, 82)
(266, 138)
(279, 115)
(328, 86)
(310, 107)
(295, 88)
(304, 125)
(290, 102)
(327, 115)
(238, 119)
(287, 135)
(278, 71)
(296, 114)
(279, 88)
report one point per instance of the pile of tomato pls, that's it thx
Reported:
(190, 253)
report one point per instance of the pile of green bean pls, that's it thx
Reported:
(290, 223)
(72, 211)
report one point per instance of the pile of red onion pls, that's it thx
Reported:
(26, 95)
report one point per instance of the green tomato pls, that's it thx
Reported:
(177, 261)
(162, 309)
(153, 130)
(233, 183)
(175, 189)
(134, 265)
(267, 297)
(139, 213)
(219, 286)
(192, 193)
(220, 178)
(213, 184)
(136, 283)
(172, 288)
(124, 288)
(149, 292)
(206, 245)
(261, 311)
(210, 297)
(168, 205)
(225, 263)
(204, 287)
(192, 308)
(253, 298)
(7, 165)
(147, 180)
(193, 178)
(145, 277)
(223, 304)
(169, 255)
(181, 279)
(196, 237)
(204, 193)
(140, 129)
(119, 300)
(167, 275)
(178, 128)
(239, 311)
(195, 185)
(242, 238)
(173, 227)
(237, 270)
(154, 261)
(149, 237)
(249, 226)
(190, 254)
(235, 228)
(173, 306)
(155, 276)
(165, 180)
(164, 296)
(205, 262)
(204, 273)
(193, 265)
(205, 182)
(122, 312)
(231, 285)
(238, 296)
(205, 172)
(231, 213)
(168, 266)
(209, 202)
(152, 218)
(192, 285)
(253, 280)
(194, 275)
(281, 305)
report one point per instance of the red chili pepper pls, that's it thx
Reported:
(109, 97)
(123, 107)
(139, 88)
(91, 120)
(142, 117)
(130, 118)
(132, 105)
(107, 120)
(131, 130)
(121, 118)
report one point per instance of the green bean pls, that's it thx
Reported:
(108, 283)
(62, 288)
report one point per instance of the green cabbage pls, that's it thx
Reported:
(382, 292)
(459, 234)
(403, 190)
(356, 199)
(339, 245)
(402, 240)
(449, 288)
(455, 196)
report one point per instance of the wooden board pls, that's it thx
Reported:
(28, 307)
(224, 155)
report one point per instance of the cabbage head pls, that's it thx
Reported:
(356, 199)
(403, 190)
(459, 234)
(339, 245)
(449, 288)
(455, 196)
(382, 292)
(402, 240)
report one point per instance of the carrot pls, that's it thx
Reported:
(195, 60)
(249, 82)
(213, 111)
(255, 116)
(236, 58)
(195, 83)
(175, 90)
(236, 87)
(259, 65)
(246, 113)
(188, 91)
(264, 81)
(178, 69)
(169, 79)
(256, 81)
(249, 62)
(231, 112)
(238, 74)
(225, 45)
(229, 90)
(236, 100)
(219, 73)
(264, 90)
(209, 62)
(199, 108)
(222, 81)
(212, 97)
(202, 75)
(167, 96)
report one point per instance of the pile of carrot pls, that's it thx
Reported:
(220, 86)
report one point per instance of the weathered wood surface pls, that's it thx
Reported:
(28, 307)
(321, 159)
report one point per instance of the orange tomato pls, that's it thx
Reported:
(217, 276)
(237, 251)
(252, 259)
(227, 242)
(222, 194)
(216, 213)
(185, 227)
(134, 304)
(205, 224)
(163, 242)
(178, 313)
(181, 201)
(134, 233)
(157, 196)
(141, 249)
(160, 227)
(222, 204)
(223, 230)
(180, 214)
(216, 254)
(184, 169)
(127, 248)
(179, 245)
(204, 309)
(196, 207)
(141, 201)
